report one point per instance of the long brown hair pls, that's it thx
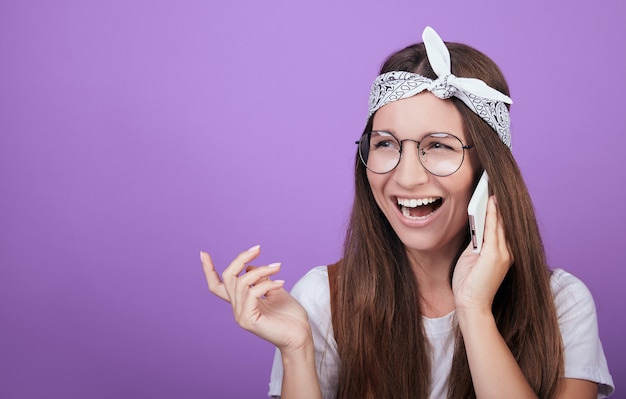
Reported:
(382, 345)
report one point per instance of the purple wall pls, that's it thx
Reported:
(135, 133)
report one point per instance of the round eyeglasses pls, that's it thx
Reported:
(441, 154)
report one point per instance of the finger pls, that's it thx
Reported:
(491, 220)
(250, 268)
(500, 243)
(491, 241)
(503, 243)
(231, 273)
(253, 278)
(499, 228)
(238, 264)
(469, 250)
(213, 279)
(257, 274)
(247, 309)
(490, 238)
(265, 289)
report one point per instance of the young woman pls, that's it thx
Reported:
(410, 311)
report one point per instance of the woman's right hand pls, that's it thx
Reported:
(260, 305)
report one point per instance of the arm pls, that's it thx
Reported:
(495, 372)
(577, 389)
(585, 362)
(299, 374)
(262, 306)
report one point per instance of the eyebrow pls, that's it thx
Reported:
(434, 132)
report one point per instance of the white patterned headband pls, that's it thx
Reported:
(484, 101)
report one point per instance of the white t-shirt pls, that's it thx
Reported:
(584, 356)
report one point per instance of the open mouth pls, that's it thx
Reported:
(418, 208)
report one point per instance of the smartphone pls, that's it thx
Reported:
(477, 211)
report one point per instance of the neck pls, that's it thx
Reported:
(432, 268)
(432, 273)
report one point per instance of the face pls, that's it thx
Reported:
(427, 212)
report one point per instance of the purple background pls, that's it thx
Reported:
(135, 133)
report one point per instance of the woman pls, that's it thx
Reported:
(411, 311)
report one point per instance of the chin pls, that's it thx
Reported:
(429, 242)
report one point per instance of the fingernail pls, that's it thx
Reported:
(279, 281)
(201, 256)
(254, 248)
(274, 265)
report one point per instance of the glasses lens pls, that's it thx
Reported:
(441, 153)
(379, 151)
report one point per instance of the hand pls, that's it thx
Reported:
(260, 305)
(477, 277)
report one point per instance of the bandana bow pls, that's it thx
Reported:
(483, 100)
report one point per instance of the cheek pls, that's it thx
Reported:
(377, 183)
(464, 188)
(471, 159)
(467, 189)
(468, 174)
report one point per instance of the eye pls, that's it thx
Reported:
(391, 144)
(383, 141)
(436, 145)
(440, 142)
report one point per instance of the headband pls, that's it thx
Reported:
(484, 101)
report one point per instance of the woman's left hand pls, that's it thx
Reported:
(477, 277)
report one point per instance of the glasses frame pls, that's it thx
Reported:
(420, 151)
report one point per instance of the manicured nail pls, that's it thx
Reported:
(254, 248)
(274, 265)
(279, 281)
(201, 256)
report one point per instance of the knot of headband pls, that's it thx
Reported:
(484, 101)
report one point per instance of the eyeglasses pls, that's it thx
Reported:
(441, 154)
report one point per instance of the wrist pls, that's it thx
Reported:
(297, 348)
(474, 316)
(300, 378)
(298, 356)
(473, 306)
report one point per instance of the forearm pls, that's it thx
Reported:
(299, 374)
(495, 372)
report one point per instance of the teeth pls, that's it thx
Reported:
(413, 202)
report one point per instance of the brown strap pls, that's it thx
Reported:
(333, 283)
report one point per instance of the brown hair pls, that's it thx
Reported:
(382, 345)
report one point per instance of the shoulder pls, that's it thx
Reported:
(576, 310)
(313, 283)
(313, 291)
(565, 285)
(571, 296)
(576, 313)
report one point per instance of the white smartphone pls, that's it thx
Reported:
(477, 211)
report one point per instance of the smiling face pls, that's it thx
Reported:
(427, 212)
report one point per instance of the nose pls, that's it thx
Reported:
(410, 172)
